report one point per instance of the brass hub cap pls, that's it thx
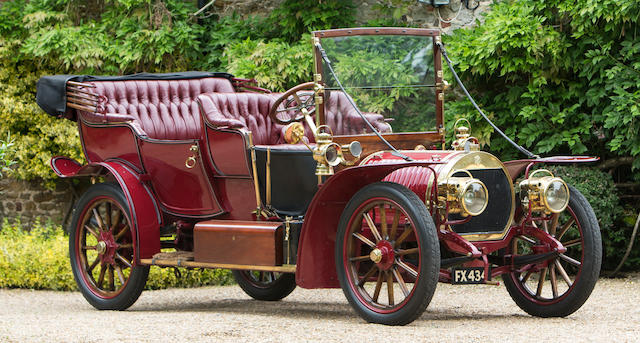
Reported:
(376, 255)
(101, 247)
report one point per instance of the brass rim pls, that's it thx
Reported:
(104, 247)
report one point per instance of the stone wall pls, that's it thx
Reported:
(419, 14)
(29, 200)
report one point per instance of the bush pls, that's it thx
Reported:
(616, 223)
(39, 259)
(560, 76)
(5, 162)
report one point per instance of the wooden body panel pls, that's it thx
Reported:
(180, 189)
(102, 142)
(238, 242)
(228, 152)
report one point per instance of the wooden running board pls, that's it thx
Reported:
(185, 259)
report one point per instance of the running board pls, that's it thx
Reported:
(185, 260)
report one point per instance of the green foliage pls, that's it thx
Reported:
(275, 64)
(39, 259)
(615, 222)
(294, 18)
(560, 76)
(5, 162)
(44, 37)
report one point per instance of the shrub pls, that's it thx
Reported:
(559, 76)
(5, 161)
(39, 259)
(615, 222)
(276, 65)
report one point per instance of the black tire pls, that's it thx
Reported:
(396, 204)
(588, 252)
(266, 286)
(117, 261)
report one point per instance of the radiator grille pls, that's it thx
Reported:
(496, 216)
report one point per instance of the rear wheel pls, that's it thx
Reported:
(560, 286)
(102, 251)
(387, 254)
(267, 286)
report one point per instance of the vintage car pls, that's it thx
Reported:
(346, 181)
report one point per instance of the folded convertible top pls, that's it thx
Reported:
(51, 93)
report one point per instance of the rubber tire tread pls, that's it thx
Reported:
(588, 276)
(430, 264)
(139, 274)
(280, 288)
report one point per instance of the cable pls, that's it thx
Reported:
(326, 59)
(455, 75)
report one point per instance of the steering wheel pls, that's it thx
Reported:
(295, 100)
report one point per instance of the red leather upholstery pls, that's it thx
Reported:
(250, 111)
(161, 109)
(344, 120)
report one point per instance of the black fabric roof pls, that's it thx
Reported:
(51, 93)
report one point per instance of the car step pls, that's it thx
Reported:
(185, 259)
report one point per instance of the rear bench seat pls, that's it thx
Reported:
(161, 109)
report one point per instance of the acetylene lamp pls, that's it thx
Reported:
(542, 191)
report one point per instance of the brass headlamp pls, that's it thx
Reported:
(544, 193)
(464, 195)
(327, 153)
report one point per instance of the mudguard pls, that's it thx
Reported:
(516, 167)
(145, 214)
(316, 267)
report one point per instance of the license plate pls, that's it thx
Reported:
(466, 276)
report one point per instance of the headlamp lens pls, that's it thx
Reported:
(475, 198)
(557, 196)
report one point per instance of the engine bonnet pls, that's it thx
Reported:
(494, 222)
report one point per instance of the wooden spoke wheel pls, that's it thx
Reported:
(387, 254)
(102, 249)
(268, 286)
(559, 287)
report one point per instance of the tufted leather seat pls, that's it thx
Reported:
(250, 111)
(162, 109)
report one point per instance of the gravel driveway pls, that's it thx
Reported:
(226, 314)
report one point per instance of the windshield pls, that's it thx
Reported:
(390, 78)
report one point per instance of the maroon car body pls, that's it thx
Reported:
(197, 171)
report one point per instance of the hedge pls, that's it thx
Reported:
(39, 259)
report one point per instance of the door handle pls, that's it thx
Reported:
(191, 160)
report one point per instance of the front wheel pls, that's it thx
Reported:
(560, 286)
(102, 251)
(387, 254)
(267, 286)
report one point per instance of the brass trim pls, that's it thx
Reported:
(478, 160)
(287, 226)
(195, 264)
(255, 176)
(268, 176)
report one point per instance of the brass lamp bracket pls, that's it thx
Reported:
(464, 141)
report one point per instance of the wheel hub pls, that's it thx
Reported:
(106, 247)
(383, 255)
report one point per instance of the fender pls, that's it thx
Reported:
(516, 167)
(145, 215)
(316, 267)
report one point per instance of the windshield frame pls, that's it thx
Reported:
(434, 136)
